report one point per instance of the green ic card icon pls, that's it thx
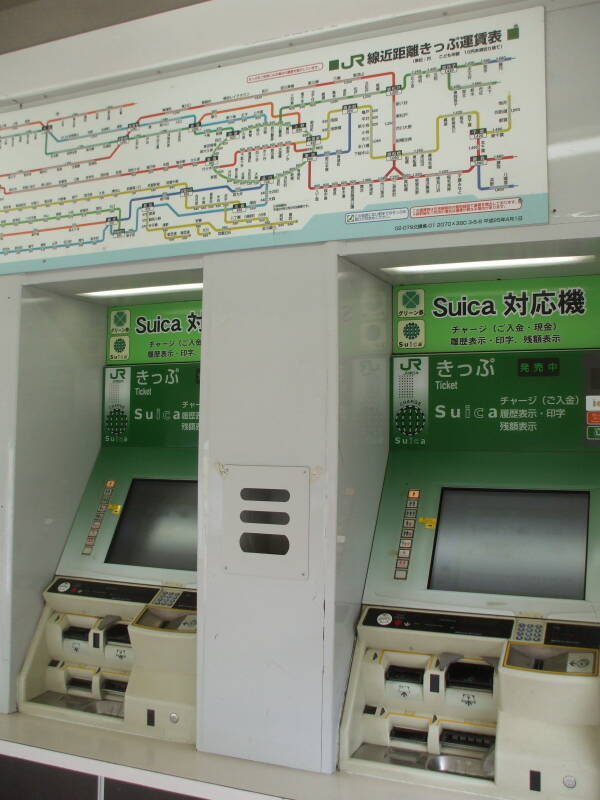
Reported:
(410, 334)
(118, 348)
(411, 303)
(120, 321)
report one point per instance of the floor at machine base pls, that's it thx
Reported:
(179, 768)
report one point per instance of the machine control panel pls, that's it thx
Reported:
(180, 599)
(96, 524)
(175, 598)
(572, 635)
(464, 625)
(103, 590)
(407, 534)
(166, 598)
(528, 630)
(186, 601)
(533, 631)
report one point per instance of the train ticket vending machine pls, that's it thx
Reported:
(477, 654)
(115, 645)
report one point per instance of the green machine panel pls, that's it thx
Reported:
(156, 332)
(497, 401)
(503, 315)
(103, 503)
(401, 558)
(501, 431)
(151, 404)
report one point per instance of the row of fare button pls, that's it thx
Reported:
(98, 518)
(407, 535)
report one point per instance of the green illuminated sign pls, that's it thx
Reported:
(154, 333)
(151, 405)
(495, 401)
(529, 314)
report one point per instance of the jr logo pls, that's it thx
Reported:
(356, 60)
(410, 365)
(117, 374)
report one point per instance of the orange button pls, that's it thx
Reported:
(414, 492)
(593, 417)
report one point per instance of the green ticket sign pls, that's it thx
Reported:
(157, 332)
(496, 401)
(153, 405)
(529, 314)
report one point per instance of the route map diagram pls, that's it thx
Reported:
(433, 130)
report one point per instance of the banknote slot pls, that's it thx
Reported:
(114, 686)
(398, 672)
(81, 684)
(76, 633)
(464, 675)
(118, 634)
(400, 734)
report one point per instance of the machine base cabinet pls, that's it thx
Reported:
(27, 779)
(118, 790)
(488, 705)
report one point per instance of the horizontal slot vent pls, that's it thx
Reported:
(470, 676)
(266, 495)
(482, 741)
(404, 674)
(274, 544)
(407, 735)
(80, 683)
(265, 514)
(265, 517)
(75, 632)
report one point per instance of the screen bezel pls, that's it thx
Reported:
(509, 490)
(429, 472)
(119, 466)
(122, 535)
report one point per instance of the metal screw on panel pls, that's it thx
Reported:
(569, 782)
(174, 717)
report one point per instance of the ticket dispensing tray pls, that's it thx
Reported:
(457, 765)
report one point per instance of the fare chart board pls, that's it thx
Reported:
(430, 130)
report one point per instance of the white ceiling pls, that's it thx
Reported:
(24, 23)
